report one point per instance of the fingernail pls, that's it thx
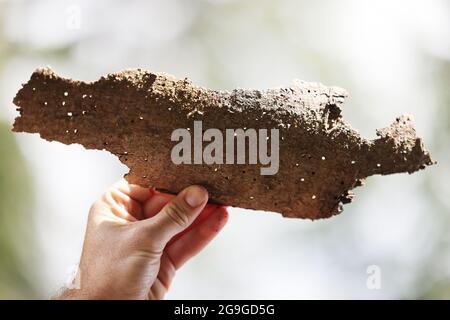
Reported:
(195, 196)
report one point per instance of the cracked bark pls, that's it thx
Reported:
(133, 113)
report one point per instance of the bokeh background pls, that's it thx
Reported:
(392, 56)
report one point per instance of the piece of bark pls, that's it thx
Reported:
(133, 113)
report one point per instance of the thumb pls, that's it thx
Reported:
(178, 214)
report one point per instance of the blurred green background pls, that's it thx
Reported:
(392, 56)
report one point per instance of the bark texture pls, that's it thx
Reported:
(133, 113)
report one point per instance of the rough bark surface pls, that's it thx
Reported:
(133, 113)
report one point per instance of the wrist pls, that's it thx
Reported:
(72, 294)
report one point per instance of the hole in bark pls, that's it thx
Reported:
(334, 112)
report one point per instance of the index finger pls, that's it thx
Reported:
(134, 191)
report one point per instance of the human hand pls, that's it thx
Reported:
(137, 238)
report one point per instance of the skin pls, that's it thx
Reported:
(136, 239)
